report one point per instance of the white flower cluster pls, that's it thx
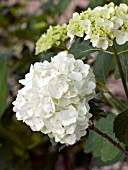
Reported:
(54, 99)
(101, 25)
(55, 36)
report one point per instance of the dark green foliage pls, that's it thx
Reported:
(99, 146)
(116, 2)
(48, 7)
(104, 64)
(98, 162)
(81, 48)
(3, 87)
(62, 5)
(125, 1)
(95, 3)
(53, 9)
(47, 56)
(121, 127)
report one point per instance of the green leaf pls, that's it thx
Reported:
(23, 64)
(104, 64)
(98, 162)
(47, 56)
(6, 56)
(99, 146)
(3, 87)
(62, 5)
(125, 1)
(48, 7)
(121, 127)
(116, 2)
(96, 3)
(81, 48)
(109, 151)
(92, 144)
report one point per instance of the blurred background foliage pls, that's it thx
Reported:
(20, 148)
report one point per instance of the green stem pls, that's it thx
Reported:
(111, 103)
(105, 51)
(95, 50)
(112, 95)
(122, 52)
(120, 70)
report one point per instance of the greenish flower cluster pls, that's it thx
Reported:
(101, 25)
(53, 37)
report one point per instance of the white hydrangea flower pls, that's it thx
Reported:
(99, 42)
(118, 22)
(103, 23)
(74, 27)
(123, 8)
(121, 37)
(54, 99)
(86, 25)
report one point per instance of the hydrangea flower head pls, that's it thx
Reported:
(54, 36)
(55, 96)
(101, 25)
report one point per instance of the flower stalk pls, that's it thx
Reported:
(120, 70)
(112, 104)
(111, 94)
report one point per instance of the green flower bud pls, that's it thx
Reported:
(54, 36)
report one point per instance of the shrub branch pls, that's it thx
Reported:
(104, 135)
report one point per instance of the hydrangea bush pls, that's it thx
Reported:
(58, 96)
